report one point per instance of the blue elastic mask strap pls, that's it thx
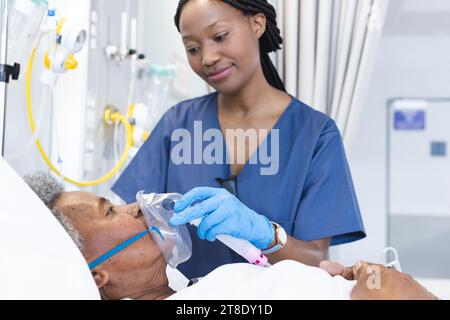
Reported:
(122, 246)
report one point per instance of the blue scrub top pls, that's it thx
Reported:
(312, 196)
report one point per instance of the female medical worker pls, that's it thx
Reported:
(298, 210)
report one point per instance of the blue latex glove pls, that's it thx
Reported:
(223, 214)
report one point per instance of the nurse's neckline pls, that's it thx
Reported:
(219, 126)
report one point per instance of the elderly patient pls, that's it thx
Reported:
(96, 226)
(139, 271)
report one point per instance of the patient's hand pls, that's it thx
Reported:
(376, 282)
(337, 269)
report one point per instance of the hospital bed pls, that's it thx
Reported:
(177, 280)
(36, 246)
(439, 287)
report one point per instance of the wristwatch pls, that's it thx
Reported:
(280, 238)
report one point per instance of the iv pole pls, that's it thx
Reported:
(3, 61)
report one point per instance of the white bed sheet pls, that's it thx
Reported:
(287, 280)
(439, 287)
(177, 280)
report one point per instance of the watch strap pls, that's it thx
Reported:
(278, 245)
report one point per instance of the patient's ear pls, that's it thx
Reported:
(101, 277)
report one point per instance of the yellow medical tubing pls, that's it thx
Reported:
(113, 116)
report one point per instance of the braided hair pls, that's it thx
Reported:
(270, 41)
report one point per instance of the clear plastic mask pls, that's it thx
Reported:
(174, 242)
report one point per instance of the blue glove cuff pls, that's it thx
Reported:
(266, 237)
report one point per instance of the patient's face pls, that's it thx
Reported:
(104, 226)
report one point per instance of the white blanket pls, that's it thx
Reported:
(287, 280)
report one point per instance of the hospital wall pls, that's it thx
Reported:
(413, 61)
(110, 81)
(77, 91)
(164, 46)
(70, 101)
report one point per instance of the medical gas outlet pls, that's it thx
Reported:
(59, 58)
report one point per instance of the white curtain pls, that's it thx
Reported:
(329, 52)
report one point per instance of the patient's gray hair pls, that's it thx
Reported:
(49, 189)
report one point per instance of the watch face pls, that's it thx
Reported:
(281, 235)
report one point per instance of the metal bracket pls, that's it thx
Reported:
(7, 72)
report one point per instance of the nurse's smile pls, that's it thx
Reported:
(220, 74)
